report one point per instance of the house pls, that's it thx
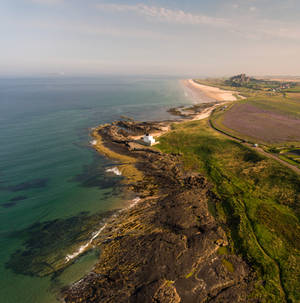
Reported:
(149, 140)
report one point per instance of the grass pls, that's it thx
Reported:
(245, 91)
(223, 250)
(295, 89)
(295, 96)
(190, 274)
(259, 204)
(288, 107)
(294, 160)
(283, 105)
(228, 265)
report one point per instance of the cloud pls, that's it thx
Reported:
(247, 26)
(165, 14)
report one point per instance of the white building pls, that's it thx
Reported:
(149, 140)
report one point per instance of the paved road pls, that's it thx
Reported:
(259, 150)
(291, 166)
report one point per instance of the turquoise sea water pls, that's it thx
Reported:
(49, 175)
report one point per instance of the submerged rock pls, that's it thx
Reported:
(46, 244)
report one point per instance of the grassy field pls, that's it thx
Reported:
(295, 96)
(258, 120)
(295, 89)
(271, 121)
(259, 205)
(245, 91)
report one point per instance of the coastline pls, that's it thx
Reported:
(167, 199)
(214, 93)
(126, 163)
(127, 168)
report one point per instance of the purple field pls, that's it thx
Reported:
(263, 125)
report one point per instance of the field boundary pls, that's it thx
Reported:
(257, 149)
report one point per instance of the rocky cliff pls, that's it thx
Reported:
(167, 247)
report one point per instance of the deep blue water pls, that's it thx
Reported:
(49, 172)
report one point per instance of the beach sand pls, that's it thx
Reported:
(214, 93)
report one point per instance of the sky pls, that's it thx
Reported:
(164, 37)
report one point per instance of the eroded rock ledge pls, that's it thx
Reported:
(168, 247)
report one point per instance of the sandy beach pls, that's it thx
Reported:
(214, 93)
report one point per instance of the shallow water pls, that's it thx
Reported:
(49, 174)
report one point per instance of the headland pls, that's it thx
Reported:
(198, 228)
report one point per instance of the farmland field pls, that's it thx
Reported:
(262, 125)
(294, 96)
(265, 120)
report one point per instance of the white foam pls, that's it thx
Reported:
(94, 142)
(82, 248)
(114, 170)
(134, 202)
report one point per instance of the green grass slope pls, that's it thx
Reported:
(259, 205)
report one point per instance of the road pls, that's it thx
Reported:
(259, 150)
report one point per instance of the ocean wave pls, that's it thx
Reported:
(114, 170)
(82, 248)
(134, 202)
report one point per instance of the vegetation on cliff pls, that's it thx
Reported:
(167, 247)
(258, 205)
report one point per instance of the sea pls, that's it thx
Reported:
(55, 191)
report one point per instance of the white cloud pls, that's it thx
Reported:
(166, 15)
(246, 26)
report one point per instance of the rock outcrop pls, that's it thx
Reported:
(167, 247)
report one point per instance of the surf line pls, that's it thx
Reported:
(114, 170)
(82, 248)
(85, 246)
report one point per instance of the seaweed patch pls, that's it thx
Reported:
(46, 244)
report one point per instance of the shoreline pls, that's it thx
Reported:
(214, 93)
(134, 237)
(126, 164)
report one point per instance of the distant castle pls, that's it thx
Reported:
(239, 80)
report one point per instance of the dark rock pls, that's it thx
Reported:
(164, 249)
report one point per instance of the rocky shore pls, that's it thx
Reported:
(167, 247)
